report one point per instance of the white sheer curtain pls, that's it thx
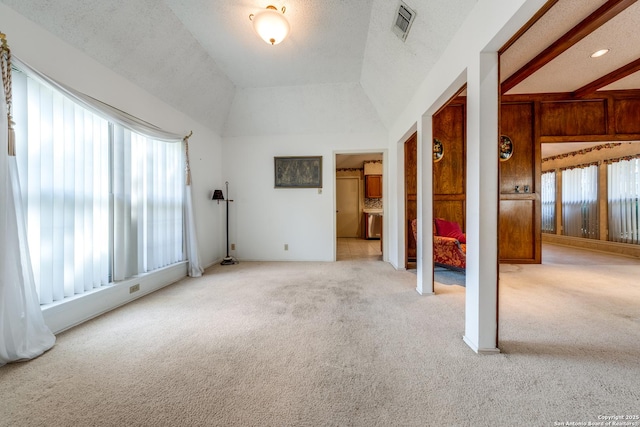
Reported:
(548, 198)
(63, 160)
(623, 195)
(116, 204)
(148, 198)
(23, 333)
(580, 202)
(149, 131)
(191, 240)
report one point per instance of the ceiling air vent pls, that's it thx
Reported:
(403, 20)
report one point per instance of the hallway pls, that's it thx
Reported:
(350, 249)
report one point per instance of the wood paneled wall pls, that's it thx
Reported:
(519, 222)
(450, 172)
(531, 120)
(603, 116)
(411, 195)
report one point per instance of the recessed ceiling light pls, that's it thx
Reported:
(599, 53)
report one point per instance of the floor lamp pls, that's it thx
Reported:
(217, 195)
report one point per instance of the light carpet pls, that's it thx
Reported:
(340, 344)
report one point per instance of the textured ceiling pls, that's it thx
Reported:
(550, 27)
(143, 41)
(574, 68)
(325, 45)
(356, 161)
(392, 69)
(196, 54)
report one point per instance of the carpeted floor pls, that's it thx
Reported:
(341, 344)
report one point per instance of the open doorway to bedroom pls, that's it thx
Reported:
(359, 206)
(449, 191)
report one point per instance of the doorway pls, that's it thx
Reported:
(410, 200)
(357, 201)
(449, 191)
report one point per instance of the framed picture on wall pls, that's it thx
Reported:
(506, 148)
(438, 150)
(298, 172)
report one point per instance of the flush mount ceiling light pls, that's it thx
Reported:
(270, 24)
(599, 53)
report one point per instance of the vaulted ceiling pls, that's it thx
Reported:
(196, 54)
(553, 55)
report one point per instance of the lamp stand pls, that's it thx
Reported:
(228, 260)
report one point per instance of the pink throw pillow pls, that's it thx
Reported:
(450, 229)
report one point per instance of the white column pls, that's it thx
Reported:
(481, 306)
(425, 208)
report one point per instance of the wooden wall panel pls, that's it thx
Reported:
(449, 173)
(627, 116)
(531, 119)
(518, 208)
(584, 117)
(411, 193)
(517, 240)
(516, 122)
(451, 210)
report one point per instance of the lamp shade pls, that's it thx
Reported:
(217, 195)
(270, 25)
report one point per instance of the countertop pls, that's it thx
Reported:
(373, 211)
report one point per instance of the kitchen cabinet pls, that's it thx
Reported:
(373, 186)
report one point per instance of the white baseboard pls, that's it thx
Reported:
(73, 311)
(218, 261)
(476, 349)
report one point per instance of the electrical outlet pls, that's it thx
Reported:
(286, 246)
(233, 246)
(134, 288)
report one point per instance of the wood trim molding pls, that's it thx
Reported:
(568, 96)
(603, 81)
(591, 138)
(592, 22)
(539, 14)
(456, 99)
(593, 244)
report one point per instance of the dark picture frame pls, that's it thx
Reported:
(438, 150)
(506, 148)
(298, 172)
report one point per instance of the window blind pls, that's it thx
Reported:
(103, 203)
(580, 202)
(623, 194)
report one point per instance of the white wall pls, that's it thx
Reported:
(64, 63)
(53, 57)
(313, 120)
(318, 120)
(471, 56)
(264, 218)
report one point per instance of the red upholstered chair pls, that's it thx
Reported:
(449, 244)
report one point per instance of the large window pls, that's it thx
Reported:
(102, 202)
(624, 192)
(580, 202)
(548, 196)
